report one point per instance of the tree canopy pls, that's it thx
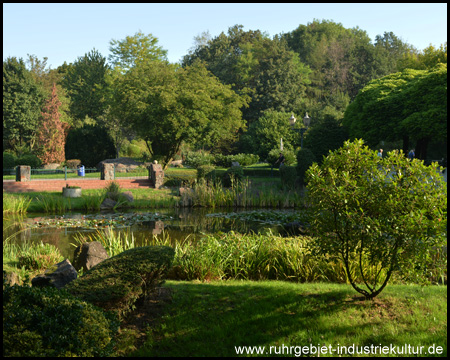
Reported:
(168, 105)
(409, 105)
(22, 102)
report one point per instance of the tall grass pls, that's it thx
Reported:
(237, 256)
(14, 204)
(54, 203)
(241, 194)
(114, 242)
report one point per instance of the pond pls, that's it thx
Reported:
(60, 230)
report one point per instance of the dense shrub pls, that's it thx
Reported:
(233, 174)
(275, 153)
(116, 283)
(30, 160)
(49, 322)
(242, 159)
(288, 175)
(9, 161)
(205, 172)
(196, 158)
(91, 144)
(305, 158)
(325, 136)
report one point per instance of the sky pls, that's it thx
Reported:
(64, 32)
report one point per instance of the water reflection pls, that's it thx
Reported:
(177, 224)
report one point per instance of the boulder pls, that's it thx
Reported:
(57, 275)
(107, 204)
(87, 255)
(128, 196)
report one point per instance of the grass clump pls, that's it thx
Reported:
(49, 322)
(116, 283)
(15, 205)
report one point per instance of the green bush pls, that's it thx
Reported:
(30, 160)
(288, 176)
(242, 159)
(116, 283)
(275, 153)
(305, 158)
(9, 161)
(196, 158)
(91, 144)
(233, 174)
(205, 172)
(49, 322)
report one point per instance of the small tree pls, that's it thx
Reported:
(382, 214)
(52, 137)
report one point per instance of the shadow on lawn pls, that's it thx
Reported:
(205, 319)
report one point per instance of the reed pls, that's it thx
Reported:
(93, 201)
(15, 205)
(241, 194)
(54, 203)
(114, 242)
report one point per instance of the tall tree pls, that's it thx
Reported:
(168, 106)
(409, 105)
(52, 134)
(133, 50)
(22, 103)
(86, 85)
(254, 64)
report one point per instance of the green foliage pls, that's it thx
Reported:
(112, 190)
(22, 101)
(49, 322)
(9, 161)
(168, 106)
(197, 158)
(243, 159)
(305, 158)
(85, 81)
(288, 154)
(265, 133)
(135, 49)
(30, 160)
(252, 63)
(234, 174)
(327, 135)
(91, 144)
(205, 172)
(288, 176)
(37, 256)
(116, 283)
(402, 106)
(381, 214)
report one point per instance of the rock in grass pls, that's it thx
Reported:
(116, 283)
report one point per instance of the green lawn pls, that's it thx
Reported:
(212, 319)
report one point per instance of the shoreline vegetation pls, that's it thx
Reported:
(262, 289)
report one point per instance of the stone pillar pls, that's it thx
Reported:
(107, 172)
(156, 175)
(23, 173)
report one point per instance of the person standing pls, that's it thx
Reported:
(380, 153)
(411, 154)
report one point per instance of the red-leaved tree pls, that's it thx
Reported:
(52, 135)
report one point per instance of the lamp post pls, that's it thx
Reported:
(306, 122)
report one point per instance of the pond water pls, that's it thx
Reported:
(60, 230)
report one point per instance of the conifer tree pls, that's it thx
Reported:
(52, 135)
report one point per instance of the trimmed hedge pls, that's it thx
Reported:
(288, 176)
(30, 160)
(50, 322)
(235, 172)
(116, 283)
